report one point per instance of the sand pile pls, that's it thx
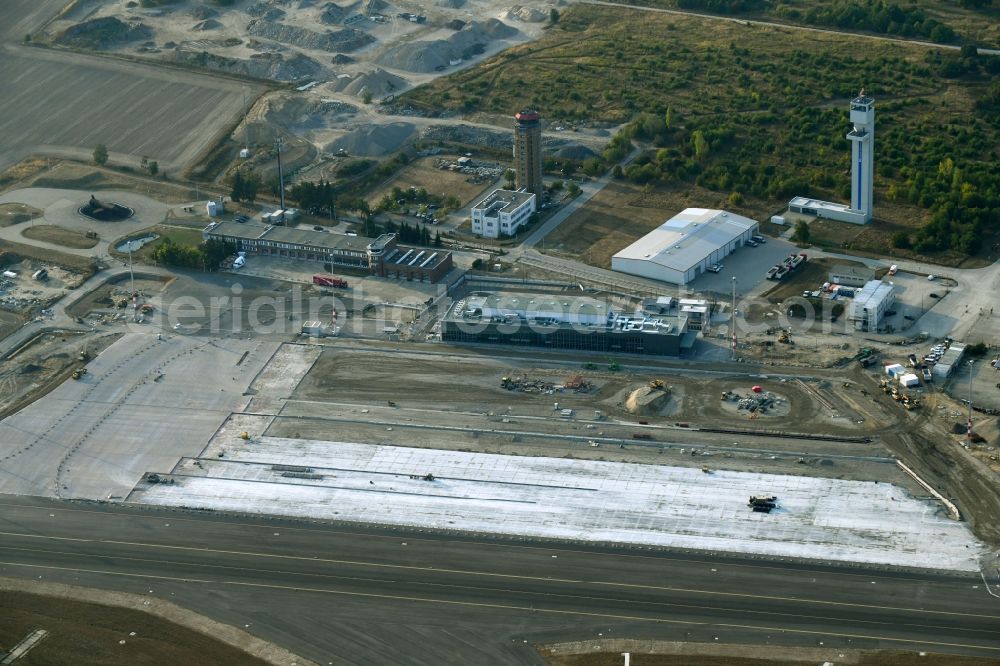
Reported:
(430, 56)
(646, 400)
(379, 83)
(102, 33)
(333, 13)
(575, 151)
(202, 12)
(373, 140)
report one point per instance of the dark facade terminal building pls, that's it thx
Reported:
(381, 256)
(555, 321)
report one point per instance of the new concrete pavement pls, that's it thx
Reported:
(349, 595)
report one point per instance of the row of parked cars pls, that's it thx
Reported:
(753, 241)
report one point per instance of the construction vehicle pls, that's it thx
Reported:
(244, 435)
(785, 337)
(642, 435)
(658, 384)
(762, 503)
(329, 281)
(79, 373)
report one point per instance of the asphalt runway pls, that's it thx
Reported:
(61, 103)
(348, 595)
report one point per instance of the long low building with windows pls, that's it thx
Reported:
(556, 321)
(686, 245)
(382, 256)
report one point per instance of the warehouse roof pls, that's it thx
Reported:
(687, 238)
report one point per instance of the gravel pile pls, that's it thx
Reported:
(207, 24)
(379, 83)
(436, 55)
(470, 135)
(102, 33)
(202, 12)
(347, 39)
(373, 140)
(333, 13)
(273, 66)
(265, 10)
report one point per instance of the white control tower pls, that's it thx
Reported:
(862, 139)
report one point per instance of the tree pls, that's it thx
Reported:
(554, 15)
(366, 96)
(238, 188)
(251, 184)
(801, 233)
(153, 168)
(437, 239)
(100, 154)
(573, 189)
(901, 239)
(699, 143)
(668, 119)
(509, 178)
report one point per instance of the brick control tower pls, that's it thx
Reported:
(528, 151)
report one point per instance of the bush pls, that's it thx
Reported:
(979, 349)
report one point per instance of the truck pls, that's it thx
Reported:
(329, 281)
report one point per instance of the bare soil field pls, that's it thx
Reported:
(423, 173)
(43, 364)
(100, 299)
(15, 213)
(51, 233)
(80, 632)
(72, 175)
(623, 212)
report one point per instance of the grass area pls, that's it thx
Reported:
(51, 233)
(906, 20)
(179, 235)
(758, 114)
(87, 633)
(881, 658)
(16, 213)
(80, 176)
(12, 253)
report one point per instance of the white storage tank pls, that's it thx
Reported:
(211, 209)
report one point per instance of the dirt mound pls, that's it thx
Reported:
(646, 400)
(347, 39)
(207, 24)
(451, 4)
(575, 152)
(272, 66)
(102, 33)
(342, 59)
(430, 56)
(373, 140)
(379, 83)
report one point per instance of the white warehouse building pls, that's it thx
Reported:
(683, 247)
(870, 304)
(502, 213)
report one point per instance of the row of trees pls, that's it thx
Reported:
(245, 185)
(417, 234)
(207, 255)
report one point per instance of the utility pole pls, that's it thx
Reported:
(281, 177)
(732, 319)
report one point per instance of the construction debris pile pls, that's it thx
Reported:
(526, 385)
(756, 403)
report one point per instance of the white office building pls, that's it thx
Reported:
(502, 213)
(683, 247)
(862, 138)
(870, 305)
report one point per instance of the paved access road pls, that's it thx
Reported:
(350, 595)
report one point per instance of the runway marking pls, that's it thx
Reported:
(475, 604)
(664, 604)
(487, 574)
(470, 539)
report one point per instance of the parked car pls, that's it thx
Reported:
(934, 295)
(908, 317)
(931, 277)
(317, 228)
(715, 268)
(927, 375)
(760, 239)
